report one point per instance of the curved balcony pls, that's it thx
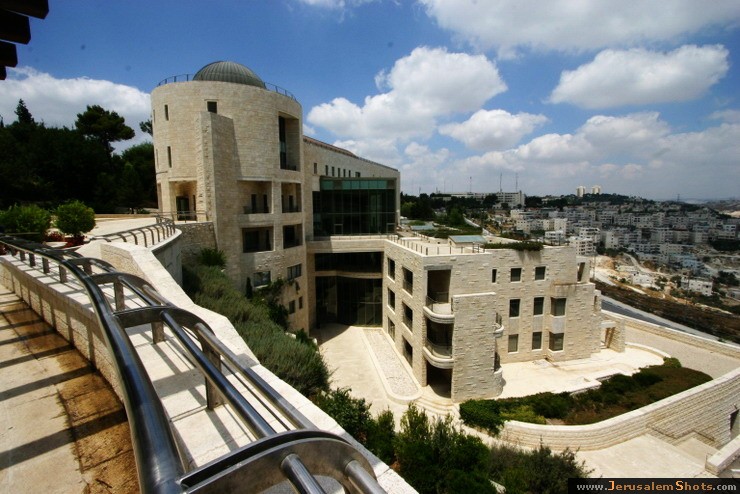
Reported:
(439, 356)
(439, 312)
(498, 327)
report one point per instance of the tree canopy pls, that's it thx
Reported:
(49, 166)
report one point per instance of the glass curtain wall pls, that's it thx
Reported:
(354, 206)
(353, 301)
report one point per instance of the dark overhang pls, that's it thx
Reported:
(15, 27)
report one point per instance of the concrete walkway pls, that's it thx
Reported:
(62, 429)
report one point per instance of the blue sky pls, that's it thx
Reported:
(640, 97)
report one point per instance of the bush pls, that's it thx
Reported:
(646, 378)
(30, 222)
(352, 414)
(380, 437)
(482, 413)
(672, 362)
(212, 257)
(74, 218)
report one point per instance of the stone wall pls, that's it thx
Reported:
(703, 411)
(196, 237)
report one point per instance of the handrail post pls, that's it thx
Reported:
(213, 397)
(45, 265)
(158, 332)
(120, 300)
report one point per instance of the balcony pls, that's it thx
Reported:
(440, 312)
(439, 356)
(498, 327)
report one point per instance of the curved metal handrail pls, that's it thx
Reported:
(160, 465)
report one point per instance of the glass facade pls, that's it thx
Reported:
(354, 206)
(352, 301)
(358, 262)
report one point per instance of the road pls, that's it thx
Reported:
(626, 310)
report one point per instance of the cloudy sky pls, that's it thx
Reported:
(641, 97)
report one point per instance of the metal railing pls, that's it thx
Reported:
(294, 455)
(189, 77)
(148, 235)
(184, 215)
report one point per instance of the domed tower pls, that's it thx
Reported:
(228, 150)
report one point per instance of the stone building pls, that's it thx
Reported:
(230, 151)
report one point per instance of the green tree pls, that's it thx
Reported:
(23, 114)
(104, 126)
(352, 414)
(75, 218)
(146, 126)
(29, 222)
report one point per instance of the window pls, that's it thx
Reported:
(326, 170)
(557, 306)
(291, 236)
(539, 273)
(539, 306)
(169, 156)
(537, 340)
(391, 328)
(294, 272)
(556, 341)
(332, 171)
(408, 316)
(408, 281)
(261, 278)
(315, 168)
(391, 299)
(581, 269)
(392, 269)
(212, 106)
(357, 174)
(514, 307)
(513, 343)
(493, 276)
(256, 239)
(291, 307)
(516, 274)
(166, 112)
(300, 302)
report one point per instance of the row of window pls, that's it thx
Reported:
(557, 306)
(260, 239)
(340, 172)
(211, 106)
(516, 274)
(555, 342)
(263, 278)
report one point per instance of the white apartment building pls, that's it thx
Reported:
(230, 154)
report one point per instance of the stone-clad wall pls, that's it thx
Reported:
(196, 237)
(704, 410)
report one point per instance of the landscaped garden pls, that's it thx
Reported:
(616, 395)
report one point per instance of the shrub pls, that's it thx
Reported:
(29, 222)
(380, 437)
(352, 414)
(646, 378)
(212, 257)
(550, 405)
(75, 218)
(482, 413)
(672, 362)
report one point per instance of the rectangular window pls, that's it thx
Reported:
(391, 328)
(537, 340)
(357, 174)
(539, 306)
(282, 136)
(326, 170)
(166, 112)
(408, 317)
(556, 341)
(169, 156)
(391, 299)
(332, 171)
(315, 168)
(261, 278)
(513, 343)
(212, 106)
(539, 273)
(392, 269)
(291, 307)
(294, 272)
(408, 281)
(493, 276)
(516, 274)
(557, 306)
(581, 269)
(300, 302)
(514, 307)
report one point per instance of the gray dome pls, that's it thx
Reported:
(228, 72)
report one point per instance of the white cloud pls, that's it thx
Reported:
(634, 154)
(493, 129)
(425, 85)
(568, 25)
(729, 116)
(57, 102)
(638, 77)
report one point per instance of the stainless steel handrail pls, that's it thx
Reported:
(295, 455)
